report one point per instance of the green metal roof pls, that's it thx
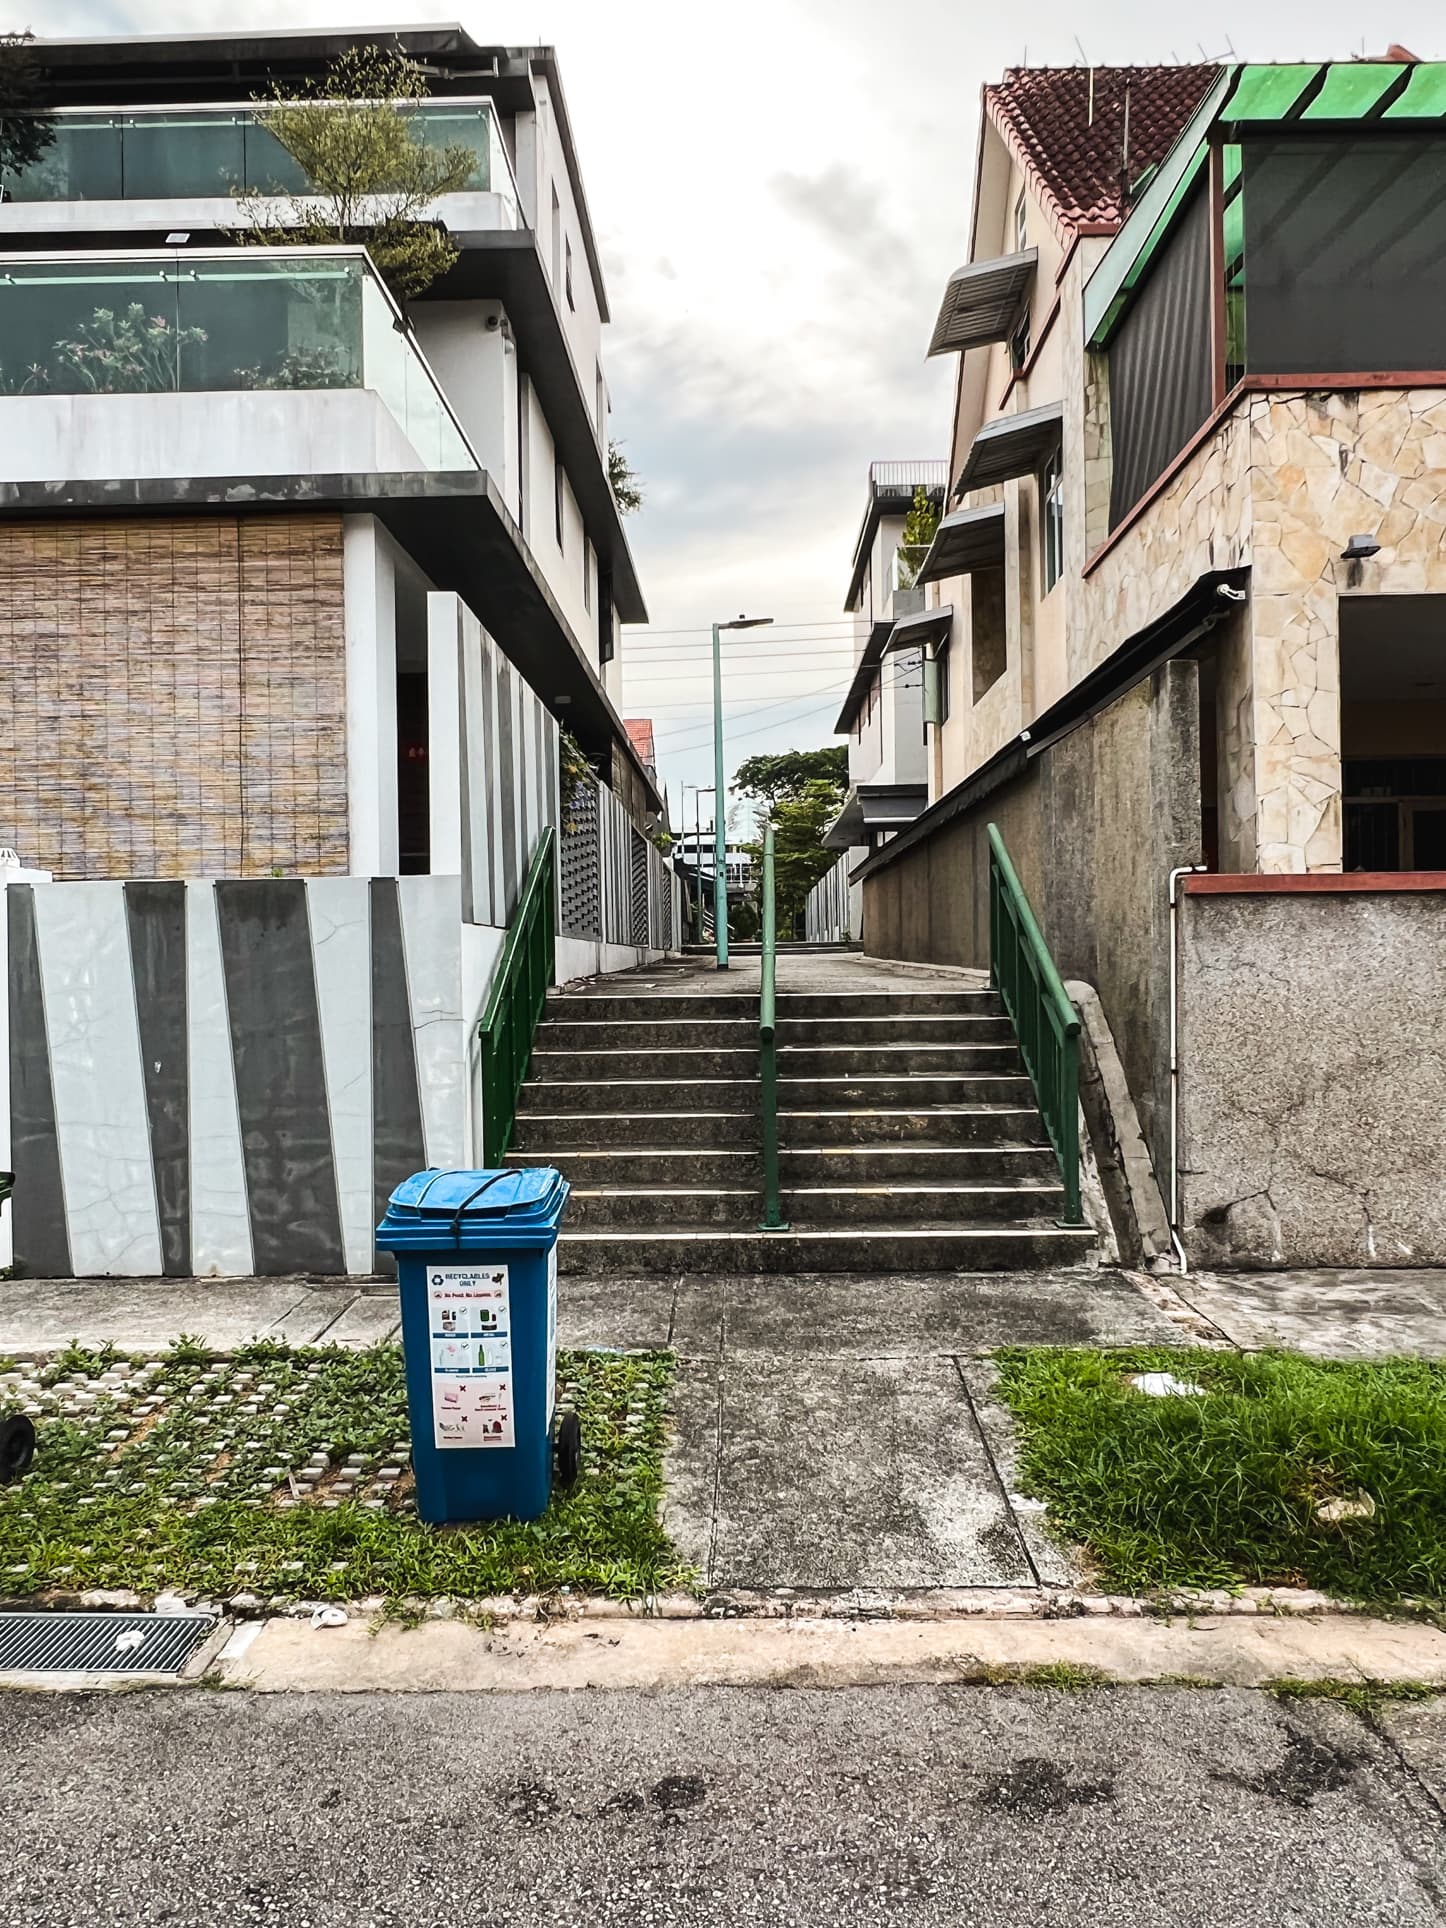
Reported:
(1268, 93)
(1247, 100)
(1425, 95)
(1351, 91)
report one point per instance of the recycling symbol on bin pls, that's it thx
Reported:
(436, 1278)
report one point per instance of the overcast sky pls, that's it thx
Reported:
(780, 190)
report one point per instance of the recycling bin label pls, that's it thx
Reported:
(469, 1318)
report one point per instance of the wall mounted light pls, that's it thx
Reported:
(1360, 549)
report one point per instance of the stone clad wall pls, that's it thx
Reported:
(174, 690)
(1312, 1130)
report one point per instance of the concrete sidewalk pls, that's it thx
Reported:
(830, 1433)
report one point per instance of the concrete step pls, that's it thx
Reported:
(688, 1064)
(894, 1204)
(645, 1036)
(899, 1060)
(674, 1007)
(873, 1093)
(917, 1164)
(663, 1208)
(548, 1137)
(864, 1249)
(737, 1169)
(941, 1125)
(888, 1004)
(631, 1095)
(918, 1027)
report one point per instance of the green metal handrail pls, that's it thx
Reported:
(515, 1003)
(1045, 1022)
(773, 1219)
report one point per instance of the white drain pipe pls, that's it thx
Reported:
(1183, 870)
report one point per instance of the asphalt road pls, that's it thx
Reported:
(1000, 1808)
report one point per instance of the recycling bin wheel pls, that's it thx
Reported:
(567, 1449)
(17, 1447)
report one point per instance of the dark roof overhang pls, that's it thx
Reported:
(967, 540)
(1011, 446)
(871, 807)
(1181, 626)
(455, 527)
(982, 302)
(925, 625)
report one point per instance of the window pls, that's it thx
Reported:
(567, 271)
(941, 683)
(587, 576)
(602, 405)
(1021, 224)
(1051, 490)
(987, 628)
(557, 487)
(1019, 343)
(556, 240)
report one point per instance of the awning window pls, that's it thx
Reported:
(982, 301)
(969, 539)
(1014, 445)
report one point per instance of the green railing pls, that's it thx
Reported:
(1045, 1022)
(773, 1219)
(516, 1000)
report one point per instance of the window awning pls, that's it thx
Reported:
(1014, 445)
(967, 540)
(924, 626)
(982, 301)
(870, 807)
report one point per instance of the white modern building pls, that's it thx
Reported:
(299, 589)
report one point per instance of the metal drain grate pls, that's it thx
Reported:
(85, 1643)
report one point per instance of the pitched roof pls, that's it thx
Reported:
(1067, 126)
(640, 735)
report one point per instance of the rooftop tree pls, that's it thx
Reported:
(26, 130)
(371, 178)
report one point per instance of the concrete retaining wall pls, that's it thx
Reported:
(1313, 1063)
(1094, 825)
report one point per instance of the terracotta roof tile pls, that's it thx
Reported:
(1076, 161)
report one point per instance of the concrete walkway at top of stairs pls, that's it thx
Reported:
(840, 973)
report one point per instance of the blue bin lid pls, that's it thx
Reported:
(463, 1207)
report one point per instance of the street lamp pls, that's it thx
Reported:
(720, 813)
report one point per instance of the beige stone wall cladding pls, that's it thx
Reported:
(175, 696)
(1312, 1065)
(1281, 486)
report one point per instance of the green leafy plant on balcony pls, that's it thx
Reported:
(117, 352)
(301, 368)
(920, 527)
(371, 180)
(26, 130)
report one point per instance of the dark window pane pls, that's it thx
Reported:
(1345, 255)
(1373, 836)
(1160, 374)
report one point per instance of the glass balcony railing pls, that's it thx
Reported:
(199, 153)
(241, 318)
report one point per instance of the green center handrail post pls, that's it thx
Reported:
(1045, 1021)
(515, 1004)
(773, 1219)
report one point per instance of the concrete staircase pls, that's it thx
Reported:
(909, 1136)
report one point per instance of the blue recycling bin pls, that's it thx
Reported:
(477, 1265)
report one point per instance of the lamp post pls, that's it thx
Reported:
(698, 790)
(720, 799)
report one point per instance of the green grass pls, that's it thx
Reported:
(1362, 1696)
(196, 1496)
(1221, 1490)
